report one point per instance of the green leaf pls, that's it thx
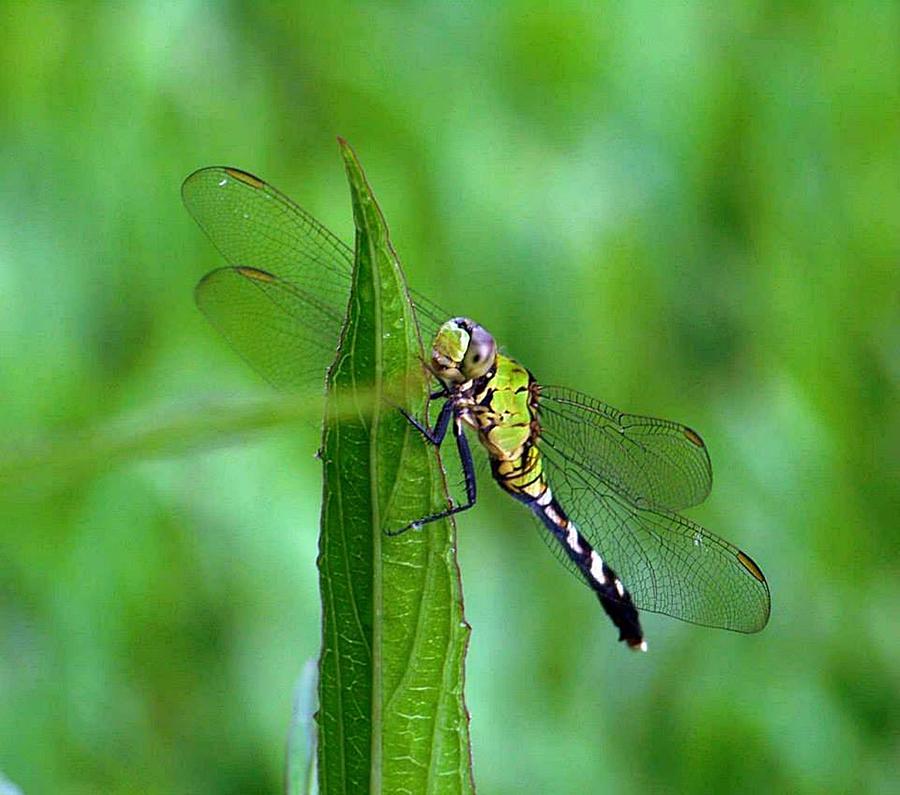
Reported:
(391, 711)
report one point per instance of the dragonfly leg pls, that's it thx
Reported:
(468, 467)
(436, 435)
(435, 395)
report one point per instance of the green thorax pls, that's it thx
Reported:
(503, 409)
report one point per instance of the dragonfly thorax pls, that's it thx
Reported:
(462, 351)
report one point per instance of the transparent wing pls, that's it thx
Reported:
(251, 223)
(669, 564)
(282, 303)
(289, 340)
(652, 462)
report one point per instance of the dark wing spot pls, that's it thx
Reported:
(255, 273)
(693, 437)
(247, 179)
(747, 562)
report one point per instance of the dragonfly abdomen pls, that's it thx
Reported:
(603, 581)
(505, 412)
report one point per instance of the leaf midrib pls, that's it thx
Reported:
(377, 584)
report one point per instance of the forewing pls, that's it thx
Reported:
(652, 462)
(252, 223)
(282, 303)
(670, 564)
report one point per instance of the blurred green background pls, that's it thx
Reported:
(686, 211)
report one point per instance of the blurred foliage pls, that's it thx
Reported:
(686, 210)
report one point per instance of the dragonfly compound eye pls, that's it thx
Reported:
(481, 353)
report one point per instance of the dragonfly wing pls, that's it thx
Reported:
(289, 340)
(652, 462)
(669, 564)
(252, 223)
(282, 303)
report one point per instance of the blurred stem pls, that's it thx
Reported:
(171, 430)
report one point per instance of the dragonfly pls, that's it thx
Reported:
(606, 488)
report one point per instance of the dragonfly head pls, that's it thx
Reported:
(462, 350)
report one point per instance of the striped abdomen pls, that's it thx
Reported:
(524, 479)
